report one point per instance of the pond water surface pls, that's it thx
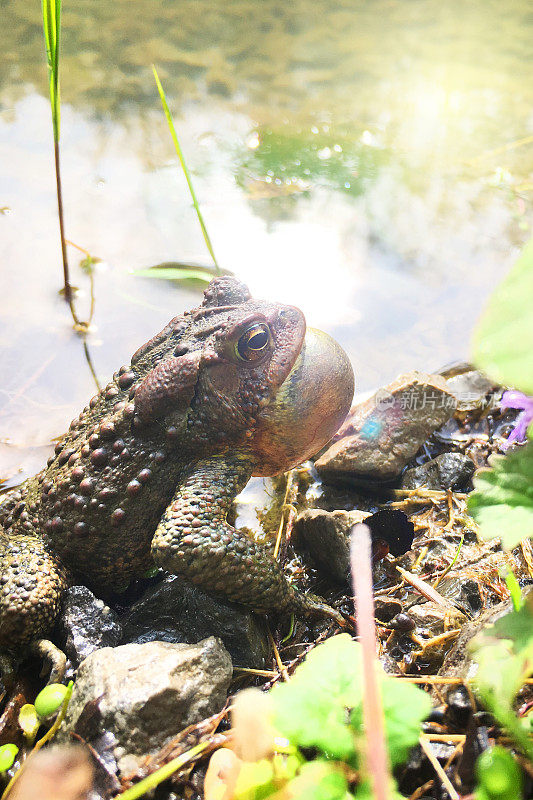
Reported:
(370, 162)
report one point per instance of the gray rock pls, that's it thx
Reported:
(470, 388)
(460, 661)
(382, 434)
(326, 535)
(177, 611)
(146, 693)
(447, 471)
(86, 624)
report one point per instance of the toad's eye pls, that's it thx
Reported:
(254, 342)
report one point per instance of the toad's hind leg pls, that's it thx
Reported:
(31, 585)
(194, 540)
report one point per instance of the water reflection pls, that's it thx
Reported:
(369, 162)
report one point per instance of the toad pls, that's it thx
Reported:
(148, 471)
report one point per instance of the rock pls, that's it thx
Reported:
(382, 434)
(465, 593)
(176, 611)
(460, 662)
(386, 609)
(146, 693)
(326, 535)
(447, 471)
(86, 624)
(430, 616)
(471, 389)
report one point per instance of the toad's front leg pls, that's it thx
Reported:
(194, 540)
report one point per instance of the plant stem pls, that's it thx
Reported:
(184, 167)
(164, 772)
(66, 275)
(44, 739)
(377, 762)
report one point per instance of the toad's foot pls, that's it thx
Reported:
(32, 582)
(313, 606)
(194, 540)
(54, 659)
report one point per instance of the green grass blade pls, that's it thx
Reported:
(184, 167)
(175, 274)
(52, 32)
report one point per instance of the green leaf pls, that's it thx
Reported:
(52, 35)
(255, 780)
(405, 707)
(364, 791)
(504, 653)
(29, 721)
(498, 775)
(518, 627)
(175, 274)
(181, 157)
(50, 699)
(311, 710)
(318, 780)
(502, 503)
(8, 753)
(503, 339)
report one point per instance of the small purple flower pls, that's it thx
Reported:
(515, 399)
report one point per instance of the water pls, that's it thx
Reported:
(364, 161)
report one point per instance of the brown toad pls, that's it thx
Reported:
(149, 469)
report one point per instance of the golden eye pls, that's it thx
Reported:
(253, 343)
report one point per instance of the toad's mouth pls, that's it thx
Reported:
(308, 408)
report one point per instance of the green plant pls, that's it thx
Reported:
(53, 698)
(177, 271)
(502, 502)
(49, 699)
(504, 652)
(181, 157)
(8, 754)
(319, 713)
(29, 722)
(498, 775)
(52, 37)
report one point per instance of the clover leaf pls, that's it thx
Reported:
(502, 503)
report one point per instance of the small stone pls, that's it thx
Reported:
(86, 624)
(326, 535)
(471, 389)
(447, 471)
(144, 693)
(383, 433)
(176, 611)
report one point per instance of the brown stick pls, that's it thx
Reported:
(361, 566)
